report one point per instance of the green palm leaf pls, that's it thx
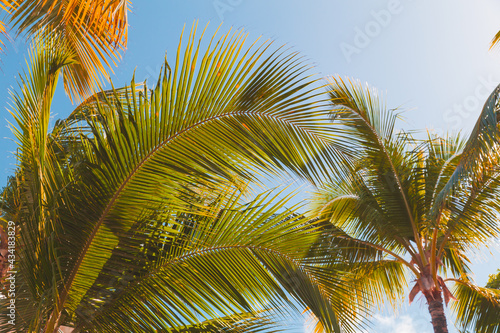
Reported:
(132, 168)
(229, 262)
(263, 322)
(368, 127)
(481, 145)
(477, 308)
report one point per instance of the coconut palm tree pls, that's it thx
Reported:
(411, 211)
(95, 31)
(130, 214)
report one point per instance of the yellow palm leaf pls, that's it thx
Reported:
(5, 5)
(95, 30)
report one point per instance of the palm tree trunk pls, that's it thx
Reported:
(436, 309)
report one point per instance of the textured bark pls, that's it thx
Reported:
(436, 309)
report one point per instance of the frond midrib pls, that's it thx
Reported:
(381, 145)
(141, 163)
(203, 252)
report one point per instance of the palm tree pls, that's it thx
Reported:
(94, 31)
(411, 211)
(130, 213)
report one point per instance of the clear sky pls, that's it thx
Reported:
(431, 58)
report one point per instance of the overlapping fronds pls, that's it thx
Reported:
(432, 200)
(95, 30)
(131, 187)
(367, 283)
(246, 322)
(34, 193)
(30, 109)
(383, 170)
(227, 262)
(210, 126)
(355, 206)
(482, 145)
(441, 159)
(469, 217)
(477, 308)
(372, 272)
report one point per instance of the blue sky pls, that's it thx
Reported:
(430, 58)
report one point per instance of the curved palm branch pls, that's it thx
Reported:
(128, 165)
(233, 121)
(198, 277)
(477, 308)
(242, 323)
(367, 126)
(482, 144)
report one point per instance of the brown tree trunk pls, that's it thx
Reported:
(436, 309)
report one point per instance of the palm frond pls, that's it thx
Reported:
(352, 205)
(237, 119)
(385, 161)
(477, 308)
(229, 262)
(371, 273)
(94, 30)
(242, 323)
(33, 194)
(440, 162)
(128, 165)
(481, 146)
(469, 217)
